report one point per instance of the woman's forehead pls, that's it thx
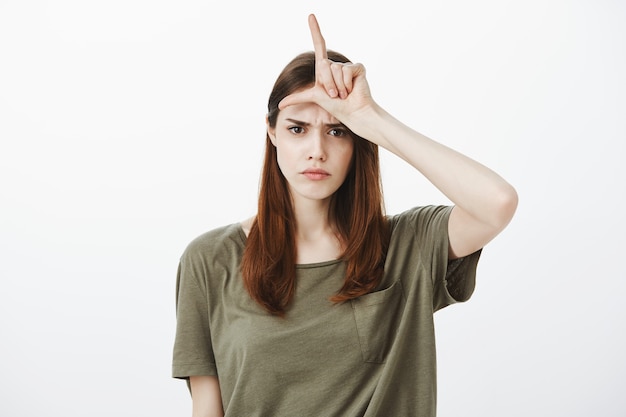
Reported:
(307, 112)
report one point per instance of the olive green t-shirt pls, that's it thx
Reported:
(372, 356)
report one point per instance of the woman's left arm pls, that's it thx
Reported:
(484, 203)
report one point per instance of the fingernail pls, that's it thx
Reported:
(332, 93)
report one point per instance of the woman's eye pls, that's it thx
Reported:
(336, 132)
(296, 129)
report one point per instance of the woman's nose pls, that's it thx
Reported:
(318, 149)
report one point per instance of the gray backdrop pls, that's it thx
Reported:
(129, 127)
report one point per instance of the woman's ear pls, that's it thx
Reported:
(271, 132)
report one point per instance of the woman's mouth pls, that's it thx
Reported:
(315, 174)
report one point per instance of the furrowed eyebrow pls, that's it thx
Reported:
(298, 122)
(306, 124)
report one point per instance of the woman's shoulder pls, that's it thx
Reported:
(419, 216)
(421, 226)
(224, 239)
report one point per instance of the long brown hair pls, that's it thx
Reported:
(356, 209)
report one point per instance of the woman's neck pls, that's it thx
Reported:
(316, 238)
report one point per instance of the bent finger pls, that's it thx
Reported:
(348, 77)
(353, 72)
(339, 79)
(324, 77)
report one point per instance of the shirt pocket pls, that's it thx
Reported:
(377, 316)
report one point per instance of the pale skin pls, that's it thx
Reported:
(314, 151)
(484, 203)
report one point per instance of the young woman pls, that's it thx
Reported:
(321, 305)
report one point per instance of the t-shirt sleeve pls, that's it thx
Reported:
(427, 228)
(193, 352)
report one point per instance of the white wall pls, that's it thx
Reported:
(128, 127)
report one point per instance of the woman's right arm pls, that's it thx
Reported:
(206, 396)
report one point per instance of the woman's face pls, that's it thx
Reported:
(314, 150)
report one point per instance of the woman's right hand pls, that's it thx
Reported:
(340, 88)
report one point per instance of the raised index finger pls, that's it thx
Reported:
(319, 45)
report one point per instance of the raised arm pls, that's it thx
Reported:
(484, 202)
(206, 396)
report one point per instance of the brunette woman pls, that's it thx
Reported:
(322, 305)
